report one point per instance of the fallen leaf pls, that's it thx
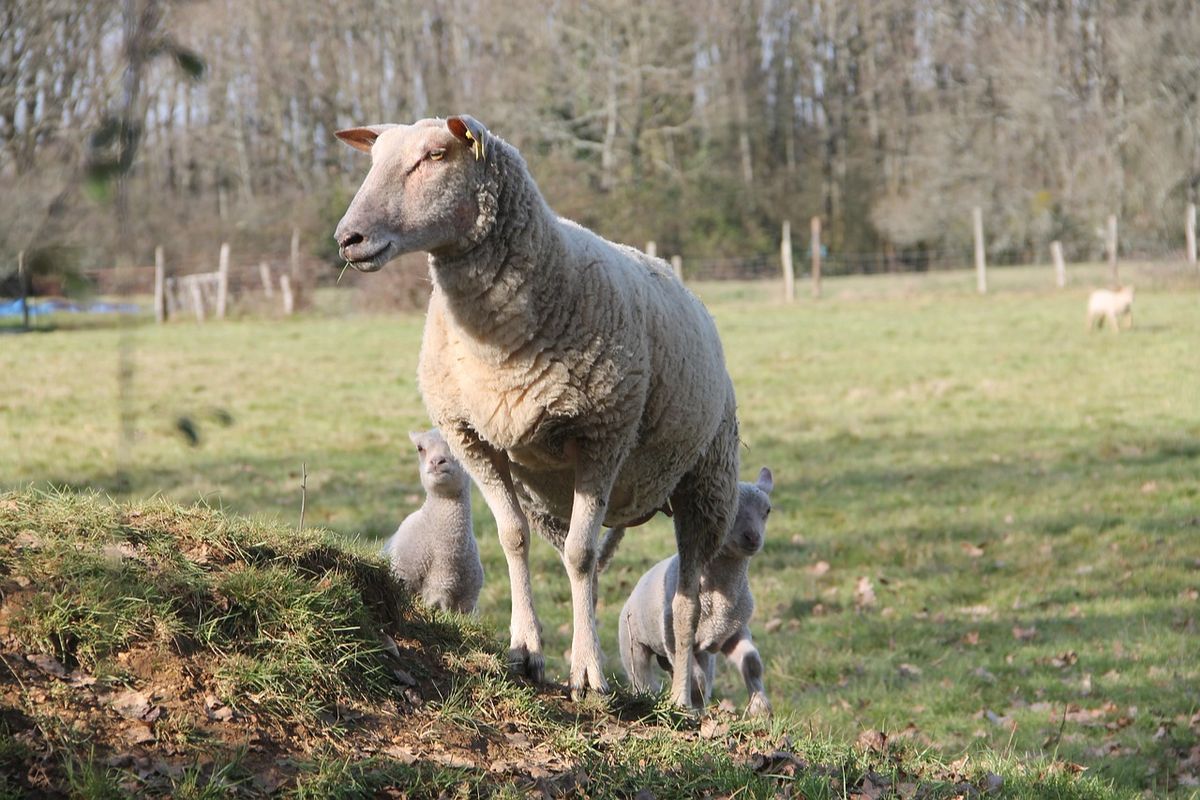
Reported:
(818, 569)
(873, 740)
(131, 704)
(47, 664)
(981, 672)
(971, 550)
(1063, 660)
(1189, 594)
(1024, 634)
(864, 593)
(773, 624)
(1149, 487)
(971, 638)
(909, 670)
(399, 754)
(710, 728)
(137, 733)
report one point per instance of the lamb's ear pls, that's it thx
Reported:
(765, 481)
(471, 131)
(415, 437)
(362, 138)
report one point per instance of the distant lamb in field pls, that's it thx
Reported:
(577, 380)
(1107, 304)
(726, 607)
(433, 552)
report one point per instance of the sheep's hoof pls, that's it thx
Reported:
(683, 701)
(758, 707)
(527, 663)
(580, 688)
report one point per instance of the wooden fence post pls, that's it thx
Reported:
(785, 261)
(651, 249)
(677, 265)
(264, 272)
(160, 286)
(285, 288)
(197, 299)
(980, 253)
(223, 280)
(1190, 232)
(23, 279)
(1060, 268)
(1112, 248)
(815, 227)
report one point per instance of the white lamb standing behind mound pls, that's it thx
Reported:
(433, 552)
(1107, 304)
(726, 605)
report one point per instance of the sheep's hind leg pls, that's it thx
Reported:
(704, 504)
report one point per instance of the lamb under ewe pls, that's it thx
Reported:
(1107, 304)
(577, 380)
(433, 552)
(726, 607)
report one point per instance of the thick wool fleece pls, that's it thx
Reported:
(577, 380)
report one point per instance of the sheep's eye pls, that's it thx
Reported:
(437, 154)
(420, 449)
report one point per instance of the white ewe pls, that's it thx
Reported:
(433, 552)
(577, 380)
(726, 605)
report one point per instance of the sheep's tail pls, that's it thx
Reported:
(608, 548)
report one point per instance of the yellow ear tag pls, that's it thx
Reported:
(476, 145)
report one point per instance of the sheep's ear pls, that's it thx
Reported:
(471, 131)
(415, 437)
(362, 138)
(765, 481)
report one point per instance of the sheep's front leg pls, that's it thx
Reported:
(744, 655)
(579, 558)
(490, 470)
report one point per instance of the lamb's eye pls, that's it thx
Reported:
(420, 449)
(437, 154)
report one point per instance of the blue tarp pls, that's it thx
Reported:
(13, 309)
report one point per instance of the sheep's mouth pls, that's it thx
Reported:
(370, 262)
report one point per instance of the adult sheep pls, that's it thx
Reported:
(576, 379)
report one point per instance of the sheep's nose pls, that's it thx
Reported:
(347, 239)
(437, 462)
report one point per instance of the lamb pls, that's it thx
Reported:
(1109, 304)
(577, 380)
(433, 552)
(726, 607)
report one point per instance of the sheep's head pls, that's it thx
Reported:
(420, 194)
(749, 530)
(441, 474)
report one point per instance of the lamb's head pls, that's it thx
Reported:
(441, 474)
(423, 191)
(746, 536)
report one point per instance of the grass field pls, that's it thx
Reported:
(1021, 496)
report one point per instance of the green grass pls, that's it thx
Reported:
(1021, 494)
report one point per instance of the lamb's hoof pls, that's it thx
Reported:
(758, 707)
(527, 663)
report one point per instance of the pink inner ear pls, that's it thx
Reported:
(457, 127)
(358, 138)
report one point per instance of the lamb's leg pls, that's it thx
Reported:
(490, 471)
(636, 658)
(744, 655)
(702, 678)
(1112, 321)
(705, 503)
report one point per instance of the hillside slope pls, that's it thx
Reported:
(149, 649)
